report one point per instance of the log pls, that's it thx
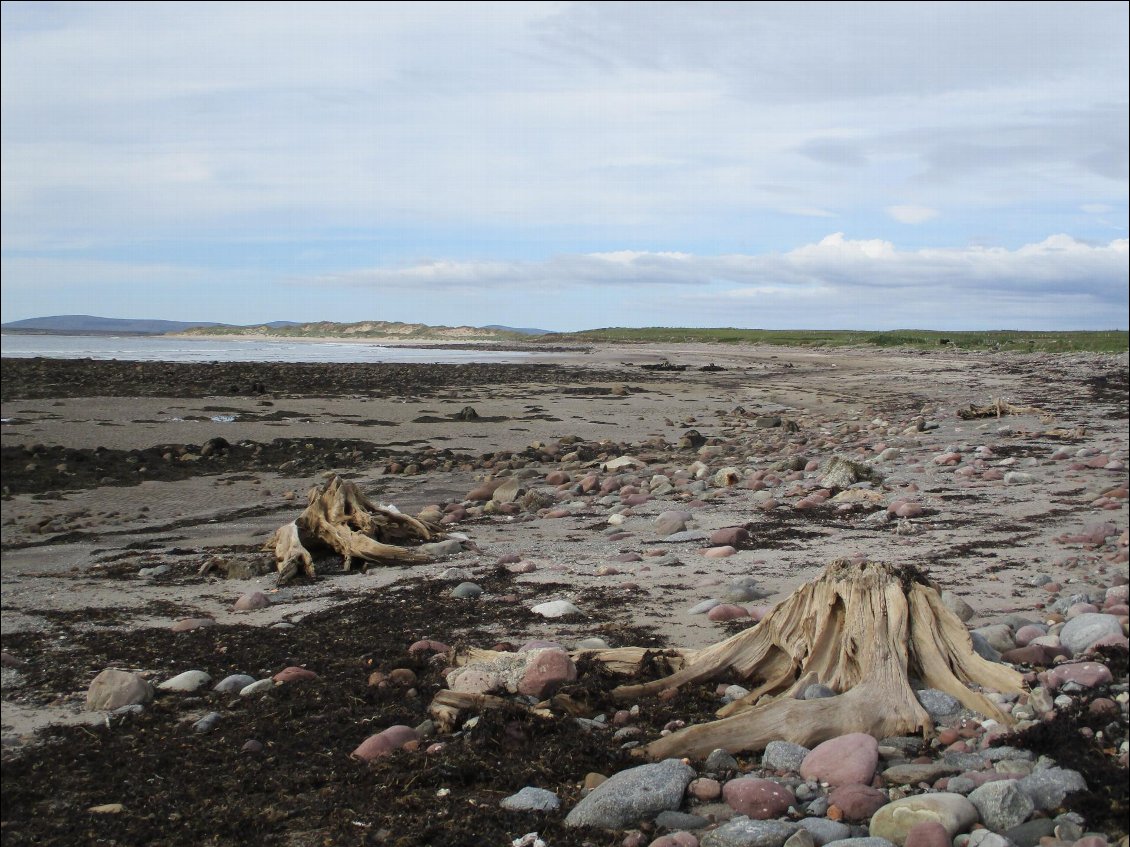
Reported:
(339, 517)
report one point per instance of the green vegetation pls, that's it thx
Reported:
(1112, 341)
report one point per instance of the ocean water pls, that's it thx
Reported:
(162, 349)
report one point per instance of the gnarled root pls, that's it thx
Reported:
(340, 517)
(861, 628)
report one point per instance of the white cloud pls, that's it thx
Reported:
(1058, 264)
(912, 214)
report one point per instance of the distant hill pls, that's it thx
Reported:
(89, 324)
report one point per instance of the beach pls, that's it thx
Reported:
(141, 494)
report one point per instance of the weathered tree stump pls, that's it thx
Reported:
(863, 629)
(339, 517)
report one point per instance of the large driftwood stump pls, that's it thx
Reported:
(862, 628)
(339, 516)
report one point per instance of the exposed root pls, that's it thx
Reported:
(863, 629)
(339, 516)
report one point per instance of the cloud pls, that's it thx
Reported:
(1059, 263)
(912, 214)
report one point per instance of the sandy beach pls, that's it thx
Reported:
(119, 521)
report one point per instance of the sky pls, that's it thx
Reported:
(569, 165)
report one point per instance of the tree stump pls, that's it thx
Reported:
(339, 517)
(865, 630)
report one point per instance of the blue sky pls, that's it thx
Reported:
(569, 165)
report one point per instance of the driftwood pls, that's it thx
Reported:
(339, 517)
(998, 408)
(864, 630)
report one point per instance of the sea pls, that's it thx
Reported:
(140, 348)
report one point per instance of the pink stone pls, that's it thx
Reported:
(759, 799)
(385, 742)
(1026, 633)
(928, 834)
(719, 552)
(635, 500)
(546, 672)
(812, 465)
(252, 601)
(294, 674)
(858, 802)
(841, 760)
(189, 624)
(726, 612)
(557, 478)
(1076, 609)
(1087, 674)
(731, 536)
(429, 646)
(909, 510)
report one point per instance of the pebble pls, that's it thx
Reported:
(895, 820)
(531, 799)
(938, 704)
(1002, 804)
(703, 607)
(385, 742)
(745, 832)
(545, 672)
(858, 802)
(189, 624)
(555, 609)
(634, 794)
(1047, 788)
(258, 687)
(113, 688)
(234, 683)
(850, 758)
(294, 674)
(783, 756)
(759, 799)
(726, 612)
(928, 834)
(466, 591)
(252, 601)
(186, 682)
(208, 722)
(824, 831)
(1082, 631)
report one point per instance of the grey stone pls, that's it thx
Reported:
(960, 785)
(157, 570)
(441, 549)
(996, 754)
(910, 774)
(937, 703)
(1029, 834)
(987, 838)
(686, 536)
(982, 647)
(819, 691)
(234, 683)
(1082, 631)
(958, 606)
(818, 807)
(466, 591)
(783, 756)
(207, 723)
(1048, 788)
(675, 821)
(823, 830)
(965, 761)
(743, 832)
(720, 761)
(1002, 805)
(531, 799)
(668, 523)
(635, 794)
(998, 636)
(801, 838)
(864, 841)
(743, 590)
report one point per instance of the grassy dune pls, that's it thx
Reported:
(1112, 341)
